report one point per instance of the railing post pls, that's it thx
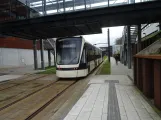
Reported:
(139, 73)
(73, 5)
(139, 38)
(64, 5)
(85, 4)
(44, 7)
(157, 83)
(27, 10)
(148, 77)
(135, 70)
(10, 5)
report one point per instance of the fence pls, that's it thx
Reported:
(147, 76)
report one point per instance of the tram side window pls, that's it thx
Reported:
(96, 54)
(83, 58)
(90, 53)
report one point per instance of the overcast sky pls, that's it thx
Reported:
(115, 32)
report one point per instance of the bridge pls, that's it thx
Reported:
(79, 18)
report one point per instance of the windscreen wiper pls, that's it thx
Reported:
(72, 59)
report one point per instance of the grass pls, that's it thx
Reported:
(49, 70)
(48, 67)
(106, 67)
(104, 58)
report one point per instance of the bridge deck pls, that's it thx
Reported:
(83, 22)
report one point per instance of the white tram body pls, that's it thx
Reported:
(75, 57)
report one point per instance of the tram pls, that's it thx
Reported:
(75, 57)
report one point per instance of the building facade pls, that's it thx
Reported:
(15, 52)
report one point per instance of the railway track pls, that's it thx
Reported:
(29, 106)
(4, 105)
(48, 103)
(14, 83)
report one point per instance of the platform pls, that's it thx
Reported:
(9, 77)
(112, 97)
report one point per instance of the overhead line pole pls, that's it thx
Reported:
(108, 37)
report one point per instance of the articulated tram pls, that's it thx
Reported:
(75, 57)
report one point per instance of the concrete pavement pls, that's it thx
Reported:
(127, 103)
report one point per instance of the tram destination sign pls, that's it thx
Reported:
(68, 46)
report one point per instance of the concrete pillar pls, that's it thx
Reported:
(35, 54)
(49, 58)
(139, 39)
(159, 25)
(129, 47)
(42, 54)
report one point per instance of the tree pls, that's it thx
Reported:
(118, 41)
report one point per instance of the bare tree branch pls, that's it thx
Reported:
(118, 41)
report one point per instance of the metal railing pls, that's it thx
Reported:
(23, 9)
